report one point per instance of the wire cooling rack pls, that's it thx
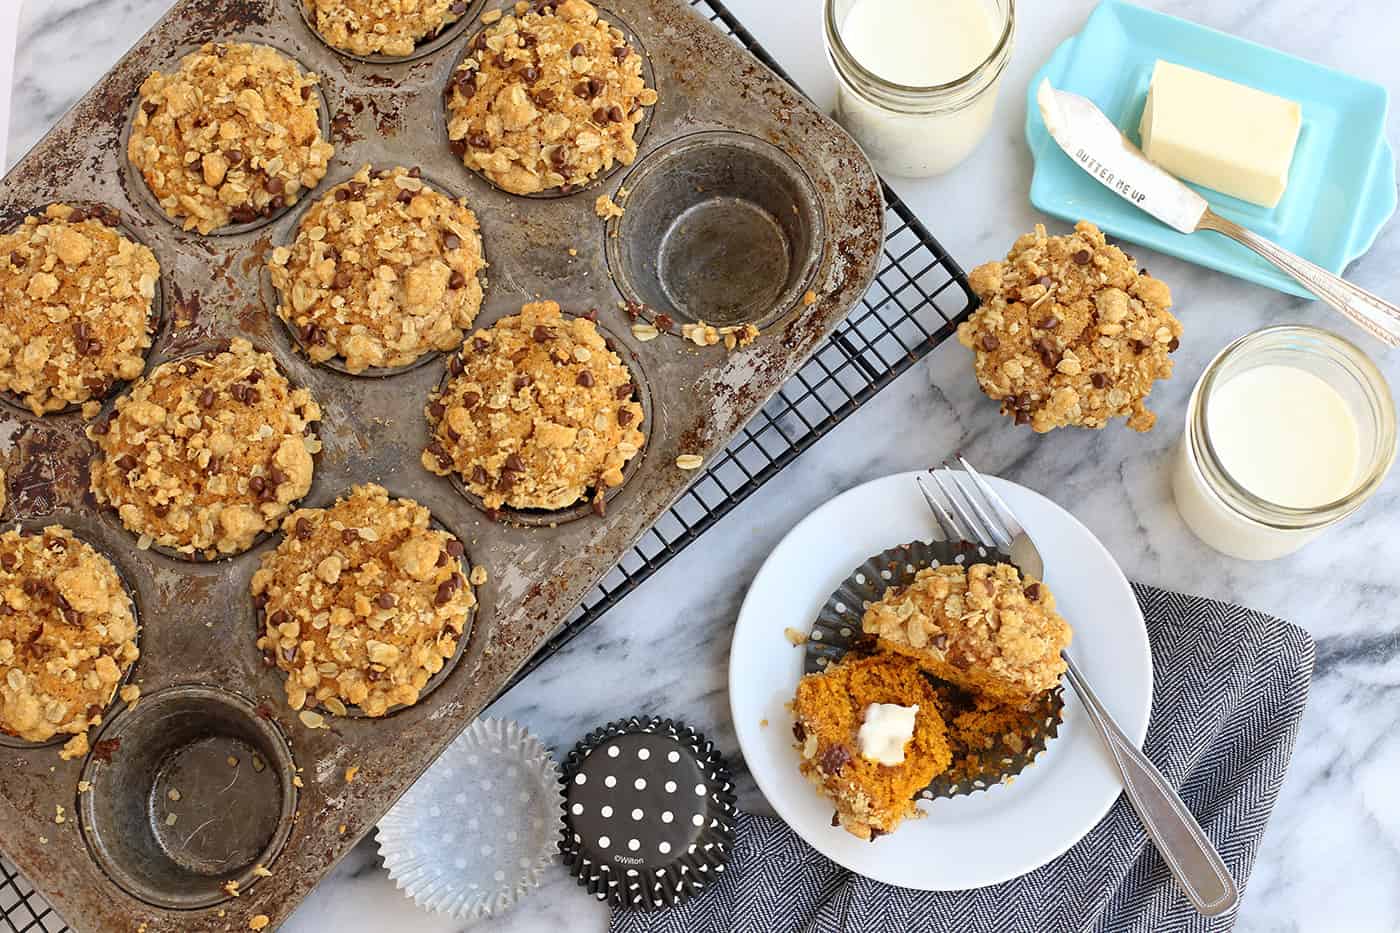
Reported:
(916, 301)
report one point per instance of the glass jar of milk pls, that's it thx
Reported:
(1289, 430)
(917, 79)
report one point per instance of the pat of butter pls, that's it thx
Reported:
(887, 728)
(1235, 139)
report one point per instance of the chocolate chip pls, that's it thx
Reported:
(620, 52)
(385, 601)
(583, 90)
(479, 140)
(1049, 323)
(798, 731)
(600, 116)
(479, 476)
(279, 617)
(480, 344)
(150, 107)
(522, 381)
(243, 215)
(835, 820)
(471, 399)
(585, 379)
(624, 416)
(276, 185)
(1099, 380)
(234, 156)
(415, 171)
(834, 759)
(404, 196)
(1082, 257)
(303, 529)
(454, 547)
(1142, 346)
(456, 280)
(126, 463)
(615, 114)
(306, 92)
(1174, 345)
(343, 279)
(444, 594)
(530, 74)
(349, 536)
(436, 410)
(1032, 592)
(443, 458)
(990, 342)
(578, 50)
(595, 87)
(257, 484)
(451, 240)
(514, 464)
(206, 398)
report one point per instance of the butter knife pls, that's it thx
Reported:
(1096, 144)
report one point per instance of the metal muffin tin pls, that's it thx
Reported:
(199, 663)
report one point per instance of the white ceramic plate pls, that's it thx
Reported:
(966, 842)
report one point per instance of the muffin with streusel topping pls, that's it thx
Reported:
(1070, 332)
(362, 602)
(538, 413)
(76, 303)
(206, 453)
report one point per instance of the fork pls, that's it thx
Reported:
(971, 510)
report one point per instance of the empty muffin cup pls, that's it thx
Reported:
(717, 227)
(190, 794)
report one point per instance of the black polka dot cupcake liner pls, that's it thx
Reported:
(837, 632)
(648, 812)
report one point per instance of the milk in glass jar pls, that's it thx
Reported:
(917, 79)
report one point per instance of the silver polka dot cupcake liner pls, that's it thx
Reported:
(837, 631)
(476, 832)
(649, 813)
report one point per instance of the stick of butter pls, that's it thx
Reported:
(1235, 139)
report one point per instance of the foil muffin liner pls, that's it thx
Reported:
(837, 631)
(649, 819)
(476, 832)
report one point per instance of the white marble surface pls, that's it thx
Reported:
(1331, 858)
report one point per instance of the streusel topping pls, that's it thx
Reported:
(382, 27)
(1070, 332)
(984, 628)
(206, 453)
(871, 799)
(362, 603)
(383, 270)
(549, 96)
(75, 309)
(538, 414)
(67, 637)
(232, 135)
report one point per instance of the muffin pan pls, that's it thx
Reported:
(730, 150)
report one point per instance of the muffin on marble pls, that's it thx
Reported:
(1070, 332)
(548, 96)
(538, 413)
(984, 628)
(381, 27)
(76, 316)
(67, 637)
(382, 271)
(870, 736)
(362, 603)
(232, 135)
(206, 453)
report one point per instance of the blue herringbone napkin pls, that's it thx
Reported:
(1230, 689)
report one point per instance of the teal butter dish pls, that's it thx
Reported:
(1341, 185)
